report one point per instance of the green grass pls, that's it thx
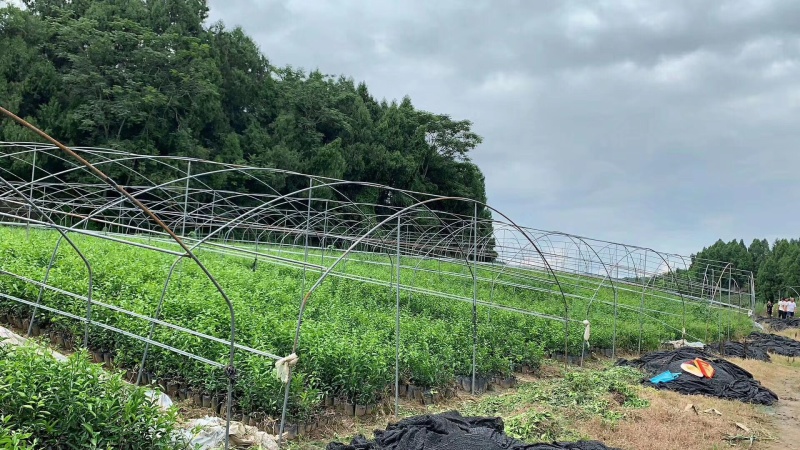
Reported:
(542, 411)
(347, 346)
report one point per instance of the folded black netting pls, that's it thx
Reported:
(740, 350)
(451, 431)
(774, 344)
(781, 324)
(730, 381)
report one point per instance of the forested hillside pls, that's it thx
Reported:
(150, 77)
(776, 267)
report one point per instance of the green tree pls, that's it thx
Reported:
(148, 77)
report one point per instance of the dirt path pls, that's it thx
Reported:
(783, 377)
(786, 416)
(787, 424)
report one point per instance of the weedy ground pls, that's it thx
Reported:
(607, 403)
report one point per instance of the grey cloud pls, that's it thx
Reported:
(662, 123)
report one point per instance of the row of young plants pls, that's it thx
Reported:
(45, 403)
(347, 346)
(647, 313)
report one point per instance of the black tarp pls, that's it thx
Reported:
(774, 344)
(758, 346)
(730, 381)
(451, 431)
(744, 350)
(780, 324)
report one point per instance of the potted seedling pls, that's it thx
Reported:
(427, 397)
(360, 410)
(108, 360)
(349, 408)
(172, 389)
(291, 431)
(260, 420)
(36, 330)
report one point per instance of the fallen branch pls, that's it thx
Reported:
(752, 439)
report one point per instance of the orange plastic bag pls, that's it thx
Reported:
(706, 368)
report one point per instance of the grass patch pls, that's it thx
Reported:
(545, 410)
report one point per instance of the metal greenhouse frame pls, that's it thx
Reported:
(316, 226)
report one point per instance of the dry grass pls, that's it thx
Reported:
(791, 333)
(780, 375)
(667, 425)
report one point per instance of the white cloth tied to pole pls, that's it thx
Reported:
(283, 365)
(587, 332)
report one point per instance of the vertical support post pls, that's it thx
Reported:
(614, 330)
(302, 293)
(752, 293)
(474, 294)
(186, 198)
(30, 208)
(88, 308)
(730, 309)
(324, 234)
(44, 282)
(713, 299)
(255, 261)
(213, 203)
(641, 304)
(119, 218)
(397, 331)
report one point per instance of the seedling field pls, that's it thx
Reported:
(348, 340)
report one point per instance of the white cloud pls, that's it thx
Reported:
(507, 83)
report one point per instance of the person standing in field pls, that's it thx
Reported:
(769, 308)
(782, 308)
(790, 307)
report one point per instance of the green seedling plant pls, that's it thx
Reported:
(50, 404)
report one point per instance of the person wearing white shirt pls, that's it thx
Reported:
(790, 307)
(782, 309)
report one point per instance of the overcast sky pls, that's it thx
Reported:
(666, 124)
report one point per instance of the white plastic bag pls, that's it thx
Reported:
(283, 365)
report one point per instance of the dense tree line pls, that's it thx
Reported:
(149, 77)
(776, 267)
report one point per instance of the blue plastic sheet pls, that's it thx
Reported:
(665, 377)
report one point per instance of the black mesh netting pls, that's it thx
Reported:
(451, 431)
(774, 344)
(730, 381)
(758, 346)
(744, 350)
(781, 324)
